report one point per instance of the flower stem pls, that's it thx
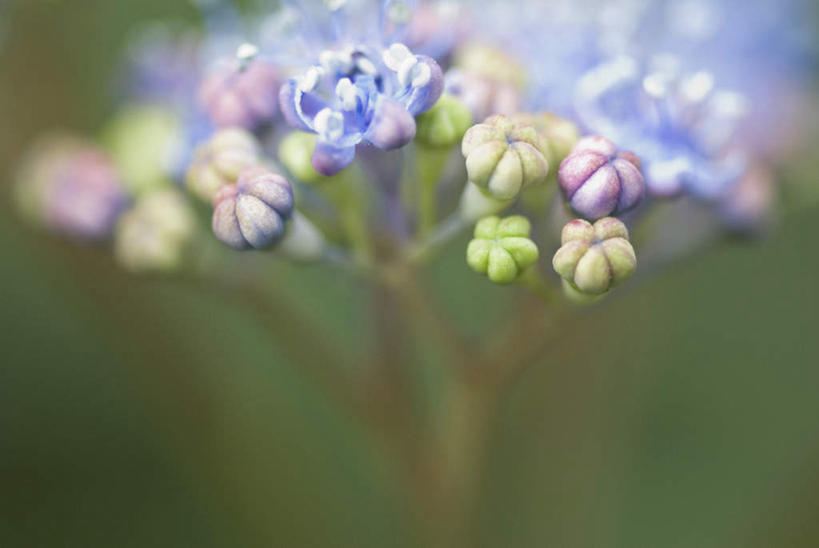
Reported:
(443, 234)
(532, 279)
(430, 165)
(345, 193)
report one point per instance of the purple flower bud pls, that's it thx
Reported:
(598, 180)
(72, 188)
(240, 94)
(253, 212)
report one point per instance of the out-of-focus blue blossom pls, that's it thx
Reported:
(757, 48)
(681, 124)
(163, 64)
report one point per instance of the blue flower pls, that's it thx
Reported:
(681, 124)
(360, 94)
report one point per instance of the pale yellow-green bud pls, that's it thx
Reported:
(503, 157)
(595, 258)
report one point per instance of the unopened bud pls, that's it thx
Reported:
(595, 258)
(501, 248)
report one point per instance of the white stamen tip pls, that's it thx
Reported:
(329, 124)
(247, 52)
(395, 55)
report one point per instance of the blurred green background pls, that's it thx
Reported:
(138, 412)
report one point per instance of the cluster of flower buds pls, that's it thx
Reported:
(427, 102)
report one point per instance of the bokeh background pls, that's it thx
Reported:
(143, 412)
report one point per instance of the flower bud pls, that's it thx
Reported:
(253, 212)
(502, 249)
(145, 145)
(595, 258)
(71, 187)
(153, 236)
(219, 162)
(503, 157)
(240, 93)
(444, 124)
(484, 96)
(295, 154)
(597, 180)
(561, 135)
(487, 81)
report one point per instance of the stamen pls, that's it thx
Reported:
(347, 94)
(395, 55)
(329, 124)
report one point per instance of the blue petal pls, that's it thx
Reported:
(299, 108)
(329, 159)
(421, 99)
(392, 126)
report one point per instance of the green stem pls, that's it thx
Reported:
(431, 163)
(444, 233)
(532, 279)
(345, 193)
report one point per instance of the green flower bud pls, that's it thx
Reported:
(154, 235)
(219, 161)
(295, 154)
(561, 135)
(145, 144)
(502, 249)
(444, 124)
(595, 258)
(503, 157)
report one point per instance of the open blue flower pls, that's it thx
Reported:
(360, 94)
